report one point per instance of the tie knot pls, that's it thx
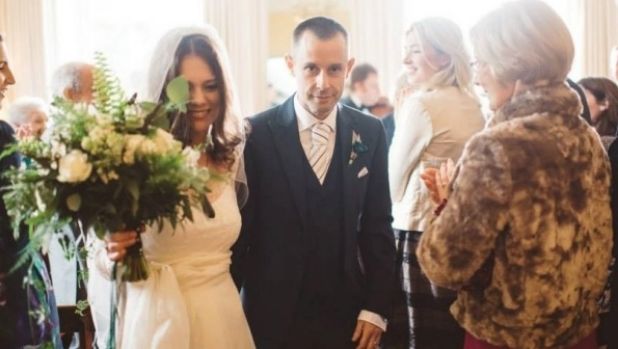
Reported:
(320, 132)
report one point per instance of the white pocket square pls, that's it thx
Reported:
(363, 172)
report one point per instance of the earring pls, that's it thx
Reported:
(209, 143)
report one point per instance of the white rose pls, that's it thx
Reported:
(74, 167)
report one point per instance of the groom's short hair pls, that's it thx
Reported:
(323, 27)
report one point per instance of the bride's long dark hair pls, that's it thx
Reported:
(221, 149)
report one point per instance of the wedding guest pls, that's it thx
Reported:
(28, 314)
(436, 122)
(189, 299)
(29, 112)
(316, 255)
(365, 95)
(524, 229)
(364, 88)
(602, 97)
(73, 81)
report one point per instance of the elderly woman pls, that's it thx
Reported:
(524, 230)
(29, 114)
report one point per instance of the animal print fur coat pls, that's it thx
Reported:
(526, 234)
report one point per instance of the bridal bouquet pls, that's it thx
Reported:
(109, 166)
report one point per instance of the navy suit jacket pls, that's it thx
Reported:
(267, 259)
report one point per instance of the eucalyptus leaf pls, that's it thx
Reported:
(74, 202)
(161, 121)
(177, 91)
(148, 107)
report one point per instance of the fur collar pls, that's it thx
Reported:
(557, 99)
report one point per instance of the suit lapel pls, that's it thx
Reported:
(284, 128)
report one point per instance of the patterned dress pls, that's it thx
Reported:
(28, 314)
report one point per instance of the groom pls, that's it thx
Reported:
(316, 256)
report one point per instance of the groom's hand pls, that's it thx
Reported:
(367, 335)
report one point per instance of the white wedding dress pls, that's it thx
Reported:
(189, 299)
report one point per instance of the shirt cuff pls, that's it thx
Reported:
(373, 318)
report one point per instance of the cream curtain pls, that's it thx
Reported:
(600, 33)
(242, 25)
(572, 12)
(22, 23)
(593, 26)
(376, 36)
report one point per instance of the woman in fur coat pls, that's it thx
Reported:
(524, 229)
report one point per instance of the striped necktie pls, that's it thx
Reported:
(318, 157)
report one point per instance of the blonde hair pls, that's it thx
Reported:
(445, 37)
(524, 40)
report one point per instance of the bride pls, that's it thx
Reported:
(189, 299)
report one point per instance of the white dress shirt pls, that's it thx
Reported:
(305, 122)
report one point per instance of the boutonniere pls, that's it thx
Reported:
(358, 147)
